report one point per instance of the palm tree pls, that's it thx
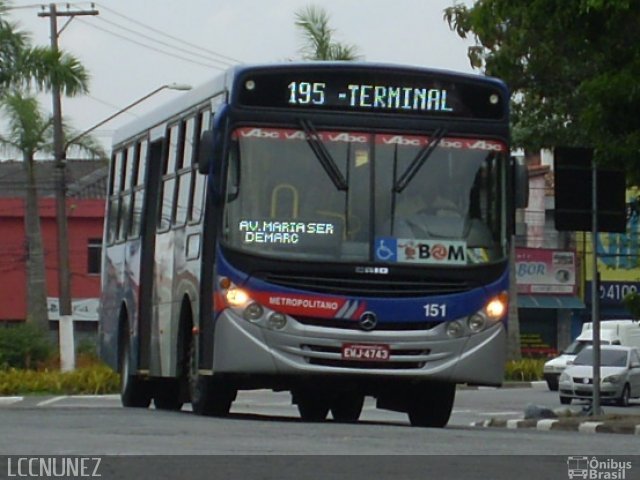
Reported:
(23, 65)
(318, 37)
(30, 132)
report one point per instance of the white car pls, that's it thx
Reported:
(619, 375)
(554, 367)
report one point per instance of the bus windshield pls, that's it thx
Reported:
(369, 197)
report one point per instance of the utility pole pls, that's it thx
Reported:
(65, 322)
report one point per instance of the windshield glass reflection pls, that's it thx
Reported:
(292, 200)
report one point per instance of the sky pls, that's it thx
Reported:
(134, 46)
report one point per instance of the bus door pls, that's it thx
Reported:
(148, 230)
(162, 329)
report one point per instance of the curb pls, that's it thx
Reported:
(559, 424)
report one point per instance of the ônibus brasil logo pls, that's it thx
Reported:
(595, 468)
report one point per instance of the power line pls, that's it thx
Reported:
(147, 37)
(177, 39)
(149, 46)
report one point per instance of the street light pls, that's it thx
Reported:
(169, 86)
(65, 321)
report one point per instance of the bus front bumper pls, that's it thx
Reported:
(243, 347)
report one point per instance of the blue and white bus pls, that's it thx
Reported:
(336, 230)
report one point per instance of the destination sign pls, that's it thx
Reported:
(402, 91)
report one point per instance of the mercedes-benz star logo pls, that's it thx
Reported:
(368, 321)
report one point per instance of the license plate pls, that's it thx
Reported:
(365, 352)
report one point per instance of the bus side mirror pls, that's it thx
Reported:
(521, 183)
(211, 148)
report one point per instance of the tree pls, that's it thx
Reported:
(572, 67)
(21, 67)
(24, 65)
(29, 132)
(313, 23)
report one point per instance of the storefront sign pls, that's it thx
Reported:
(84, 309)
(543, 271)
(612, 293)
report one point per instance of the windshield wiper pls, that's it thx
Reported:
(323, 155)
(419, 160)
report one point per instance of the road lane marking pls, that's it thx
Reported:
(50, 401)
(10, 400)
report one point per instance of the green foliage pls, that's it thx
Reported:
(22, 65)
(24, 346)
(524, 370)
(87, 348)
(313, 23)
(572, 67)
(632, 304)
(96, 379)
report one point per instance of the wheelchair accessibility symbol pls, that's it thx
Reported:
(386, 249)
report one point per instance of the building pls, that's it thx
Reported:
(548, 273)
(554, 269)
(86, 181)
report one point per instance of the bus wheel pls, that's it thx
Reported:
(167, 395)
(134, 392)
(209, 396)
(312, 406)
(347, 408)
(430, 405)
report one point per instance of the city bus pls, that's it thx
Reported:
(334, 230)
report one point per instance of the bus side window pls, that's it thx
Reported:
(138, 189)
(125, 194)
(167, 194)
(184, 173)
(199, 181)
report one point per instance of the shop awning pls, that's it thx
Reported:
(550, 301)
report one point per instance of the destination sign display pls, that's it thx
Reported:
(374, 91)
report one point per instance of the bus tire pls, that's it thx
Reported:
(312, 406)
(347, 408)
(209, 396)
(134, 392)
(430, 405)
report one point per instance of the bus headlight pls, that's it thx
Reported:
(236, 297)
(454, 329)
(476, 322)
(277, 321)
(497, 306)
(253, 312)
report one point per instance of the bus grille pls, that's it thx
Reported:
(380, 287)
(347, 324)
